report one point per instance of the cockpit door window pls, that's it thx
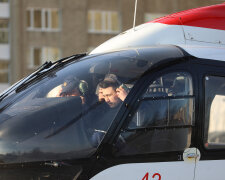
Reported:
(164, 118)
(214, 137)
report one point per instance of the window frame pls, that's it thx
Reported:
(5, 30)
(152, 78)
(164, 127)
(42, 55)
(206, 124)
(43, 27)
(133, 110)
(103, 15)
(202, 68)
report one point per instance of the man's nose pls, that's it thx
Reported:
(106, 99)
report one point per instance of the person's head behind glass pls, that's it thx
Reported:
(72, 86)
(108, 90)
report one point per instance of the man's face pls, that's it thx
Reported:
(110, 97)
(74, 92)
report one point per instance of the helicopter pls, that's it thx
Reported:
(169, 123)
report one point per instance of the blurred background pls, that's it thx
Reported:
(34, 31)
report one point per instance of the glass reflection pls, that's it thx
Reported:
(60, 115)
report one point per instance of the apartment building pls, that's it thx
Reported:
(34, 31)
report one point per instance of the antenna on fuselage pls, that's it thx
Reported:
(135, 9)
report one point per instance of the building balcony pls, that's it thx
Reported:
(4, 10)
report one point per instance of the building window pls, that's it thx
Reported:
(151, 16)
(214, 137)
(3, 72)
(43, 19)
(38, 55)
(103, 22)
(4, 34)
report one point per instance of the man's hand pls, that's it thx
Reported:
(121, 93)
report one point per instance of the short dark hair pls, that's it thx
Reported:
(105, 84)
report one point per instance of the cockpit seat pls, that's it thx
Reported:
(178, 87)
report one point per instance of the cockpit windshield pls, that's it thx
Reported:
(66, 113)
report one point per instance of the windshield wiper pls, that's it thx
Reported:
(66, 59)
(46, 66)
(17, 86)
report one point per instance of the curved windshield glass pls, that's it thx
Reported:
(66, 112)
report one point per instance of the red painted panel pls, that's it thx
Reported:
(207, 17)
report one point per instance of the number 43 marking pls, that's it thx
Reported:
(153, 176)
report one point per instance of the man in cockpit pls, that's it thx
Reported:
(110, 91)
(71, 86)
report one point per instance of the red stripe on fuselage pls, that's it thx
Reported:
(207, 17)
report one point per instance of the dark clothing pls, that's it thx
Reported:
(98, 120)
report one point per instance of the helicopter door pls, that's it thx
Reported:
(211, 165)
(157, 133)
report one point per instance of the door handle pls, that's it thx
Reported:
(191, 155)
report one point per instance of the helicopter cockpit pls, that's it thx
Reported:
(58, 115)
